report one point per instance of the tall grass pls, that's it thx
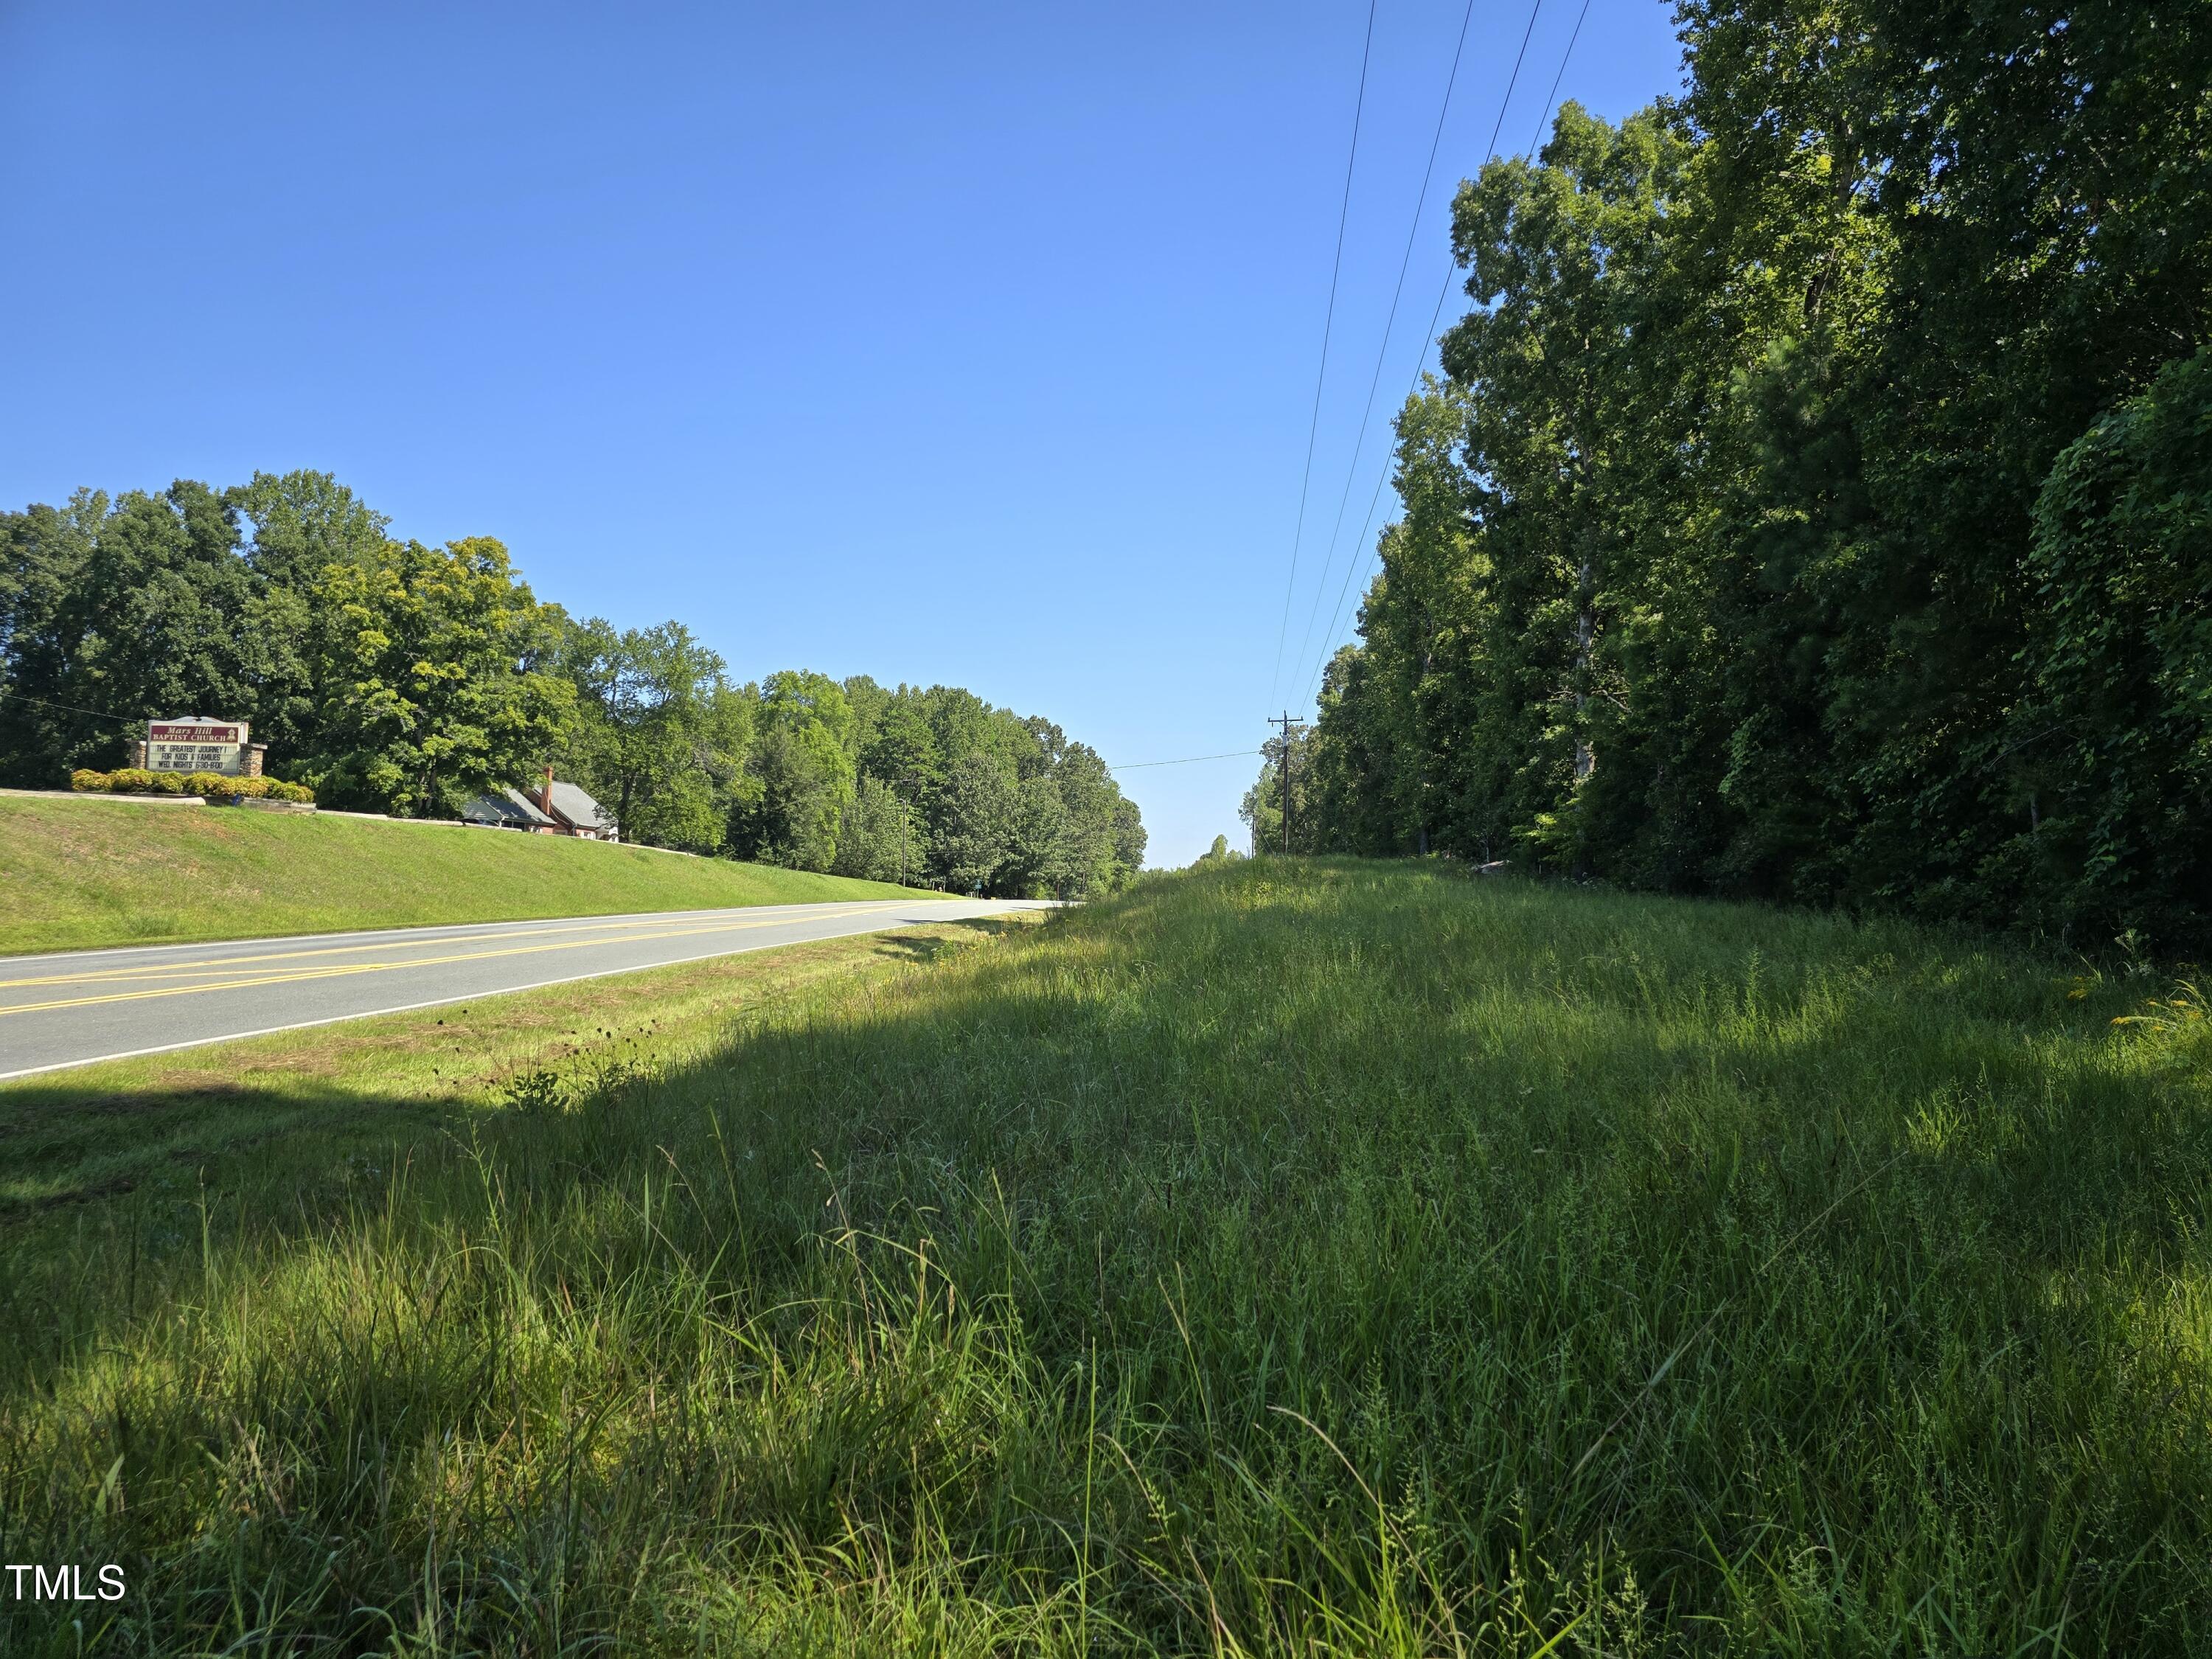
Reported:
(1316, 1259)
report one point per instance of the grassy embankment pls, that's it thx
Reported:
(95, 872)
(1333, 1259)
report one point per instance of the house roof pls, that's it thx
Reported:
(509, 807)
(578, 808)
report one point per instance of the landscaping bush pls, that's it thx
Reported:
(137, 781)
(208, 785)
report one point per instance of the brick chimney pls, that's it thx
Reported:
(545, 794)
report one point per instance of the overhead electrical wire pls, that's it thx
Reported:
(1382, 351)
(1321, 665)
(1436, 313)
(1328, 326)
(1187, 760)
(1552, 98)
(98, 714)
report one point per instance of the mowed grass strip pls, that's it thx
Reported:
(101, 871)
(1294, 1259)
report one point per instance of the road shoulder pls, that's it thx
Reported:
(329, 1105)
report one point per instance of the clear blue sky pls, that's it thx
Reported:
(965, 343)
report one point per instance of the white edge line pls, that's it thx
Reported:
(445, 1002)
(428, 932)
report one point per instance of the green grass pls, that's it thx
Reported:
(79, 873)
(1320, 1258)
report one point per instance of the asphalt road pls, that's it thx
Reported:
(76, 1007)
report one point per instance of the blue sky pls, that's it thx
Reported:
(969, 343)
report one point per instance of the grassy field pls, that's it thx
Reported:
(1316, 1259)
(97, 871)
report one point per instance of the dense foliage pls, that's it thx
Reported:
(391, 676)
(1817, 501)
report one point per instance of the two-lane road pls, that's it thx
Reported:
(77, 1006)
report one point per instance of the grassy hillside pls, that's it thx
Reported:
(1329, 1259)
(95, 872)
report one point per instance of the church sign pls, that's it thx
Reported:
(197, 746)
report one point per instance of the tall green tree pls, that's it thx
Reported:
(974, 832)
(2112, 743)
(802, 764)
(417, 650)
(1129, 841)
(879, 839)
(119, 611)
(300, 522)
(1041, 859)
(1793, 439)
(1093, 861)
(295, 525)
(662, 736)
(900, 746)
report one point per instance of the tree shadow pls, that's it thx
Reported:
(974, 930)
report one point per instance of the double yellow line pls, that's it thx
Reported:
(223, 964)
(345, 969)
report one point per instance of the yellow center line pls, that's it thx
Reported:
(224, 964)
(346, 969)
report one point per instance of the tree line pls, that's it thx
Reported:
(1816, 500)
(392, 677)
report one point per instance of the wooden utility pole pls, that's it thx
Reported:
(1286, 723)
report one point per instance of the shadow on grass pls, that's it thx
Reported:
(1776, 1272)
(972, 930)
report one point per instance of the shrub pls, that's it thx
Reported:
(208, 785)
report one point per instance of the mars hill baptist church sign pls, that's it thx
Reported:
(200, 745)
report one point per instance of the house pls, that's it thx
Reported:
(575, 812)
(553, 809)
(510, 809)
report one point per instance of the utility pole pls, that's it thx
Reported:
(1286, 723)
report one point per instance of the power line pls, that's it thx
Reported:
(1435, 313)
(1187, 760)
(98, 714)
(1328, 324)
(1382, 351)
(1550, 99)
